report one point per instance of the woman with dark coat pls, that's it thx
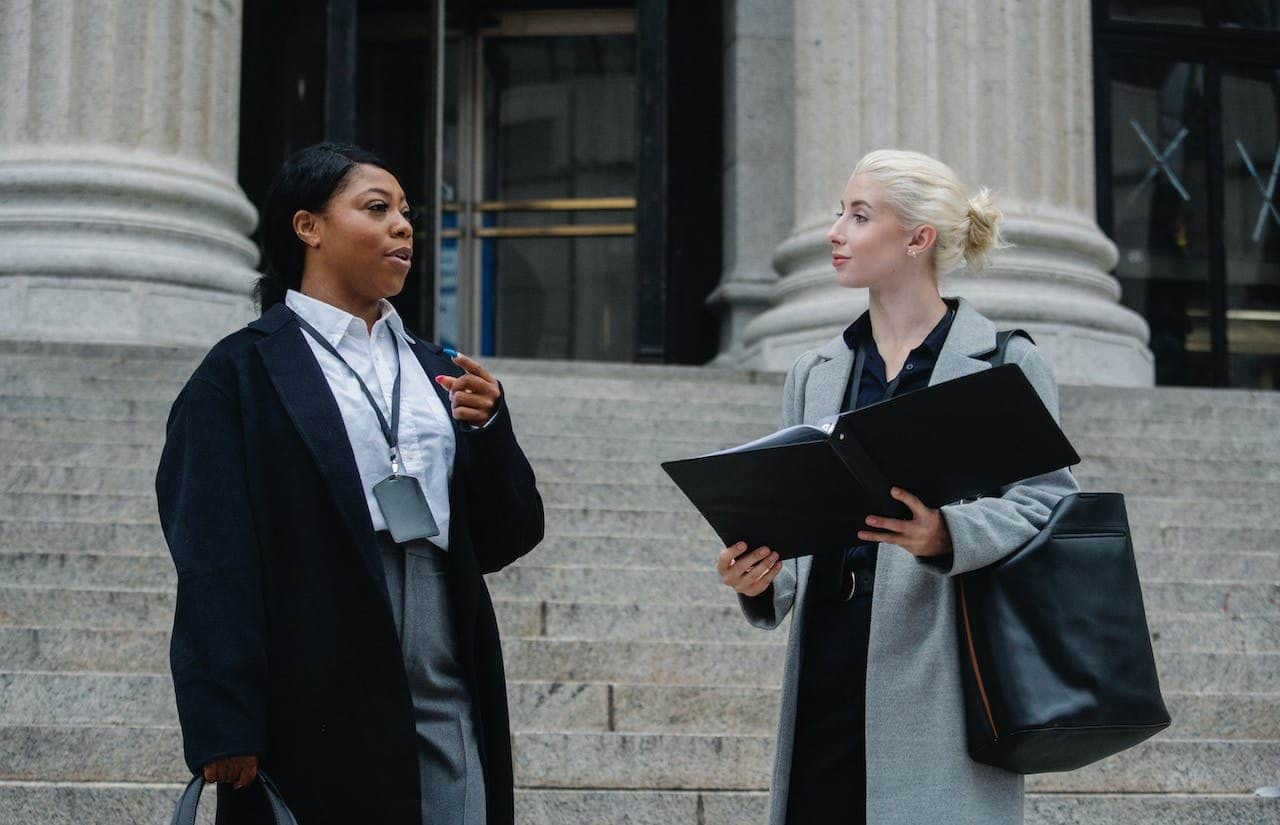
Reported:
(332, 489)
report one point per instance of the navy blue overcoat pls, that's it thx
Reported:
(283, 639)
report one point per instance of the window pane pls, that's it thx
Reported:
(1251, 224)
(563, 297)
(1182, 12)
(1159, 202)
(559, 122)
(1248, 14)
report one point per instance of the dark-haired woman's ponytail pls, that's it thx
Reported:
(268, 292)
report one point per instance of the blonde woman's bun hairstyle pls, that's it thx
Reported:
(924, 190)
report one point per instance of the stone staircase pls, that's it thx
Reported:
(638, 693)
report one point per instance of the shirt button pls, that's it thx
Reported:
(909, 366)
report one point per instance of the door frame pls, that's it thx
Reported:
(475, 314)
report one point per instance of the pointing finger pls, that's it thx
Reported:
(472, 366)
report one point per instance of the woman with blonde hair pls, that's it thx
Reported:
(871, 727)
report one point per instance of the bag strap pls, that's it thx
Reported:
(996, 357)
(185, 812)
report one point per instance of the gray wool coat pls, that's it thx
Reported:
(918, 769)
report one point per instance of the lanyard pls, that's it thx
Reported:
(391, 432)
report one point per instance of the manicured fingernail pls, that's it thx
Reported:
(440, 379)
(451, 352)
(871, 520)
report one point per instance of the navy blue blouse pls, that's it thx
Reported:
(876, 387)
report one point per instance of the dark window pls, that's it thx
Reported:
(1188, 140)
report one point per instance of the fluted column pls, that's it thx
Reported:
(120, 216)
(758, 166)
(1003, 93)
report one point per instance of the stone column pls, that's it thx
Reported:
(758, 165)
(1001, 91)
(120, 217)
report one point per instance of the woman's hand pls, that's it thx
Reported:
(748, 573)
(474, 396)
(924, 535)
(241, 770)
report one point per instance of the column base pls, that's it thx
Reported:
(103, 245)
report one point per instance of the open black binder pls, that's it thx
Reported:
(808, 489)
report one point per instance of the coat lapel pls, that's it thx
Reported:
(824, 390)
(301, 385)
(971, 336)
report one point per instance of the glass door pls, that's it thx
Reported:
(1189, 181)
(539, 168)
(1251, 223)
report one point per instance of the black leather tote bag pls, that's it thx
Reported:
(185, 812)
(1055, 653)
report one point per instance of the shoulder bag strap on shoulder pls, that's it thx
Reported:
(996, 357)
(185, 812)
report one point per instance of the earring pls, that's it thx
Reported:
(911, 252)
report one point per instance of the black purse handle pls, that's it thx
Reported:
(185, 813)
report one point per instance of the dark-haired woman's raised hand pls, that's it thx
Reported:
(748, 574)
(474, 396)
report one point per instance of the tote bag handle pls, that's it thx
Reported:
(185, 813)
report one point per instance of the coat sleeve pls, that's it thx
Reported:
(987, 530)
(505, 509)
(768, 609)
(218, 648)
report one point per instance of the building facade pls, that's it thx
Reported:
(645, 180)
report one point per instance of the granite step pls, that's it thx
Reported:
(1201, 470)
(593, 481)
(590, 438)
(609, 760)
(54, 459)
(756, 664)
(82, 537)
(568, 538)
(690, 386)
(92, 404)
(81, 454)
(110, 385)
(1079, 428)
(104, 753)
(135, 803)
(697, 419)
(618, 585)
(558, 617)
(95, 803)
(51, 698)
(133, 427)
(1260, 447)
(1195, 401)
(1224, 516)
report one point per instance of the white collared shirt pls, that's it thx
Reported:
(426, 440)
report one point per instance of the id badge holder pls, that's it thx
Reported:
(405, 509)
